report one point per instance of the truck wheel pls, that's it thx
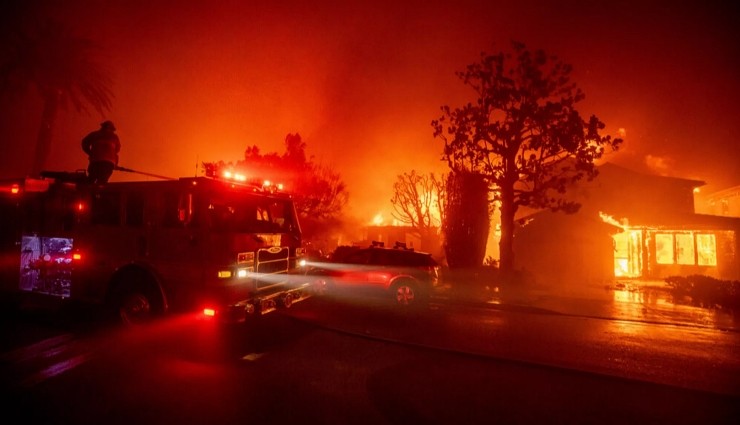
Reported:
(135, 298)
(134, 308)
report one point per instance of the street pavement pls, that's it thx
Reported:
(647, 302)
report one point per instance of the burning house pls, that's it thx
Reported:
(630, 226)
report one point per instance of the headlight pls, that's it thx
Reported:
(239, 273)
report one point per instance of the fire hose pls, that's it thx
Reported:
(129, 170)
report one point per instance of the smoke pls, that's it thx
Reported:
(660, 165)
(361, 81)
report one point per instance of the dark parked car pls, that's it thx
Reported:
(405, 276)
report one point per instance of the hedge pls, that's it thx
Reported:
(706, 291)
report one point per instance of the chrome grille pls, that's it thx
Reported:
(273, 260)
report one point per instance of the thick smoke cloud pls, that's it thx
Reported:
(361, 81)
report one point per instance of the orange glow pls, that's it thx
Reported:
(15, 189)
(209, 312)
(628, 253)
(706, 245)
(80, 207)
(77, 256)
(680, 247)
(220, 115)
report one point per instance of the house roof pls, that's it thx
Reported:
(687, 222)
(650, 210)
(614, 169)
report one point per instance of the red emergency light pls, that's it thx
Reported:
(271, 187)
(230, 175)
(236, 177)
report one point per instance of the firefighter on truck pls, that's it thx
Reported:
(224, 248)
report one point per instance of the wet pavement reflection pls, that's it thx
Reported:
(648, 304)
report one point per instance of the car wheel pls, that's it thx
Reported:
(406, 294)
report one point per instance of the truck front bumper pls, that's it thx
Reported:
(261, 302)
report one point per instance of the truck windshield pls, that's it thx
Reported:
(251, 215)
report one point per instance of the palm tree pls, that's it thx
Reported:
(60, 66)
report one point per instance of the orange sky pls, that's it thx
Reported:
(201, 80)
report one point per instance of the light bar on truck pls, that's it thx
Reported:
(230, 175)
(233, 176)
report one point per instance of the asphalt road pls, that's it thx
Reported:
(346, 361)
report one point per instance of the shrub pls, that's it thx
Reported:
(706, 291)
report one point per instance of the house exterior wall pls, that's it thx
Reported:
(565, 250)
(620, 190)
(724, 203)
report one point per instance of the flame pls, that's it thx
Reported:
(613, 221)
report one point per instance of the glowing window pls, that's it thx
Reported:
(664, 248)
(628, 254)
(685, 248)
(706, 249)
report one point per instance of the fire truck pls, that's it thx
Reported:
(223, 248)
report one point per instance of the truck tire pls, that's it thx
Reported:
(134, 308)
(136, 299)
